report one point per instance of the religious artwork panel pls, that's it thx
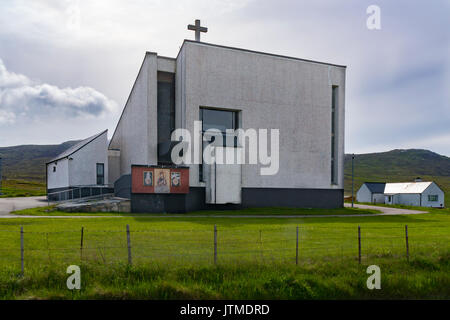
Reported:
(151, 179)
(148, 178)
(175, 178)
(162, 181)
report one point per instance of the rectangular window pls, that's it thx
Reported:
(100, 173)
(433, 197)
(220, 120)
(334, 151)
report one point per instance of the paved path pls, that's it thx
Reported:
(387, 211)
(11, 204)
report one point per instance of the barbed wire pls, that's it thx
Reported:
(290, 229)
(311, 242)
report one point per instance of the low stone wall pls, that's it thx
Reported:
(104, 205)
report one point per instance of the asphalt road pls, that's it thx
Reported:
(386, 211)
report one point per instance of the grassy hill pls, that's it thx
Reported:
(27, 162)
(399, 166)
(23, 169)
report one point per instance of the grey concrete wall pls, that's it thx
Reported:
(271, 92)
(136, 131)
(122, 186)
(166, 64)
(82, 167)
(113, 166)
(251, 198)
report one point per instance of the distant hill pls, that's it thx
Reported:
(27, 162)
(399, 166)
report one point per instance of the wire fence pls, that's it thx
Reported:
(21, 249)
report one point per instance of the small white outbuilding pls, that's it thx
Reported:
(83, 165)
(420, 194)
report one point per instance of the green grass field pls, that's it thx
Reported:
(22, 188)
(173, 258)
(52, 211)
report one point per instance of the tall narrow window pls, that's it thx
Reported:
(100, 173)
(165, 115)
(334, 108)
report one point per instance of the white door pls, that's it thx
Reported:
(223, 180)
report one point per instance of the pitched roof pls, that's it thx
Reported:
(406, 187)
(375, 187)
(76, 147)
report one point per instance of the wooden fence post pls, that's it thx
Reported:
(407, 243)
(260, 245)
(129, 244)
(48, 246)
(359, 244)
(81, 243)
(21, 251)
(296, 249)
(215, 244)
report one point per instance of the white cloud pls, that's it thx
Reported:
(22, 98)
(6, 117)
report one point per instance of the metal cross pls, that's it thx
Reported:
(197, 28)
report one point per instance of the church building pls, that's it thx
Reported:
(228, 89)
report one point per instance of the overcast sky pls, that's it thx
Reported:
(67, 66)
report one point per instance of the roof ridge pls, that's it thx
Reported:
(69, 151)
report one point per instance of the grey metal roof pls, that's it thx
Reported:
(76, 147)
(375, 187)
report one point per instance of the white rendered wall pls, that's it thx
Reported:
(408, 199)
(378, 198)
(180, 88)
(386, 199)
(433, 189)
(83, 166)
(59, 178)
(271, 92)
(136, 132)
(364, 194)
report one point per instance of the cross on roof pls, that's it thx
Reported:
(197, 28)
